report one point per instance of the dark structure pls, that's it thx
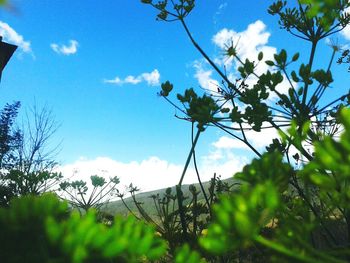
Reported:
(6, 51)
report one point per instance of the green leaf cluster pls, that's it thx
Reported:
(239, 217)
(40, 229)
(200, 109)
(271, 210)
(23, 231)
(126, 240)
(330, 170)
(186, 255)
(171, 10)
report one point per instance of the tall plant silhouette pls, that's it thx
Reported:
(247, 103)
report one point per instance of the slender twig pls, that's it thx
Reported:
(194, 143)
(198, 176)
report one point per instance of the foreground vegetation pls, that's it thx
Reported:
(263, 220)
(290, 204)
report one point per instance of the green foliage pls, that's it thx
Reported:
(262, 212)
(259, 171)
(79, 196)
(39, 229)
(167, 219)
(320, 13)
(85, 240)
(200, 109)
(239, 218)
(326, 10)
(265, 213)
(280, 212)
(23, 233)
(265, 203)
(306, 20)
(330, 170)
(344, 58)
(9, 137)
(167, 87)
(22, 183)
(186, 255)
(180, 8)
(26, 164)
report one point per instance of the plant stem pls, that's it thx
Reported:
(189, 157)
(311, 60)
(198, 176)
(178, 187)
(208, 59)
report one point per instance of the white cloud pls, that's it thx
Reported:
(249, 43)
(219, 12)
(67, 50)
(226, 157)
(225, 142)
(116, 80)
(346, 31)
(204, 77)
(259, 140)
(11, 36)
(223, 162)
(132, 80)
(152, 173)
(263, 138)
(151, 78)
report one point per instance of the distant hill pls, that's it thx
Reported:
(117, 207)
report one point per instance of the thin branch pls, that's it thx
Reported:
(198, 176)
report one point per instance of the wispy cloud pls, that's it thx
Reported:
(11, 36)
(66, 50)
(204, 77)
(151, 78)
(221, 7)
(219, 12)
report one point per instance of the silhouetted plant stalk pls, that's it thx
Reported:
(178, 187)
(197, 172)
(308, 31)
(299, 108)
(77, 194)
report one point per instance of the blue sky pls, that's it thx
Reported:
(99, 67)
